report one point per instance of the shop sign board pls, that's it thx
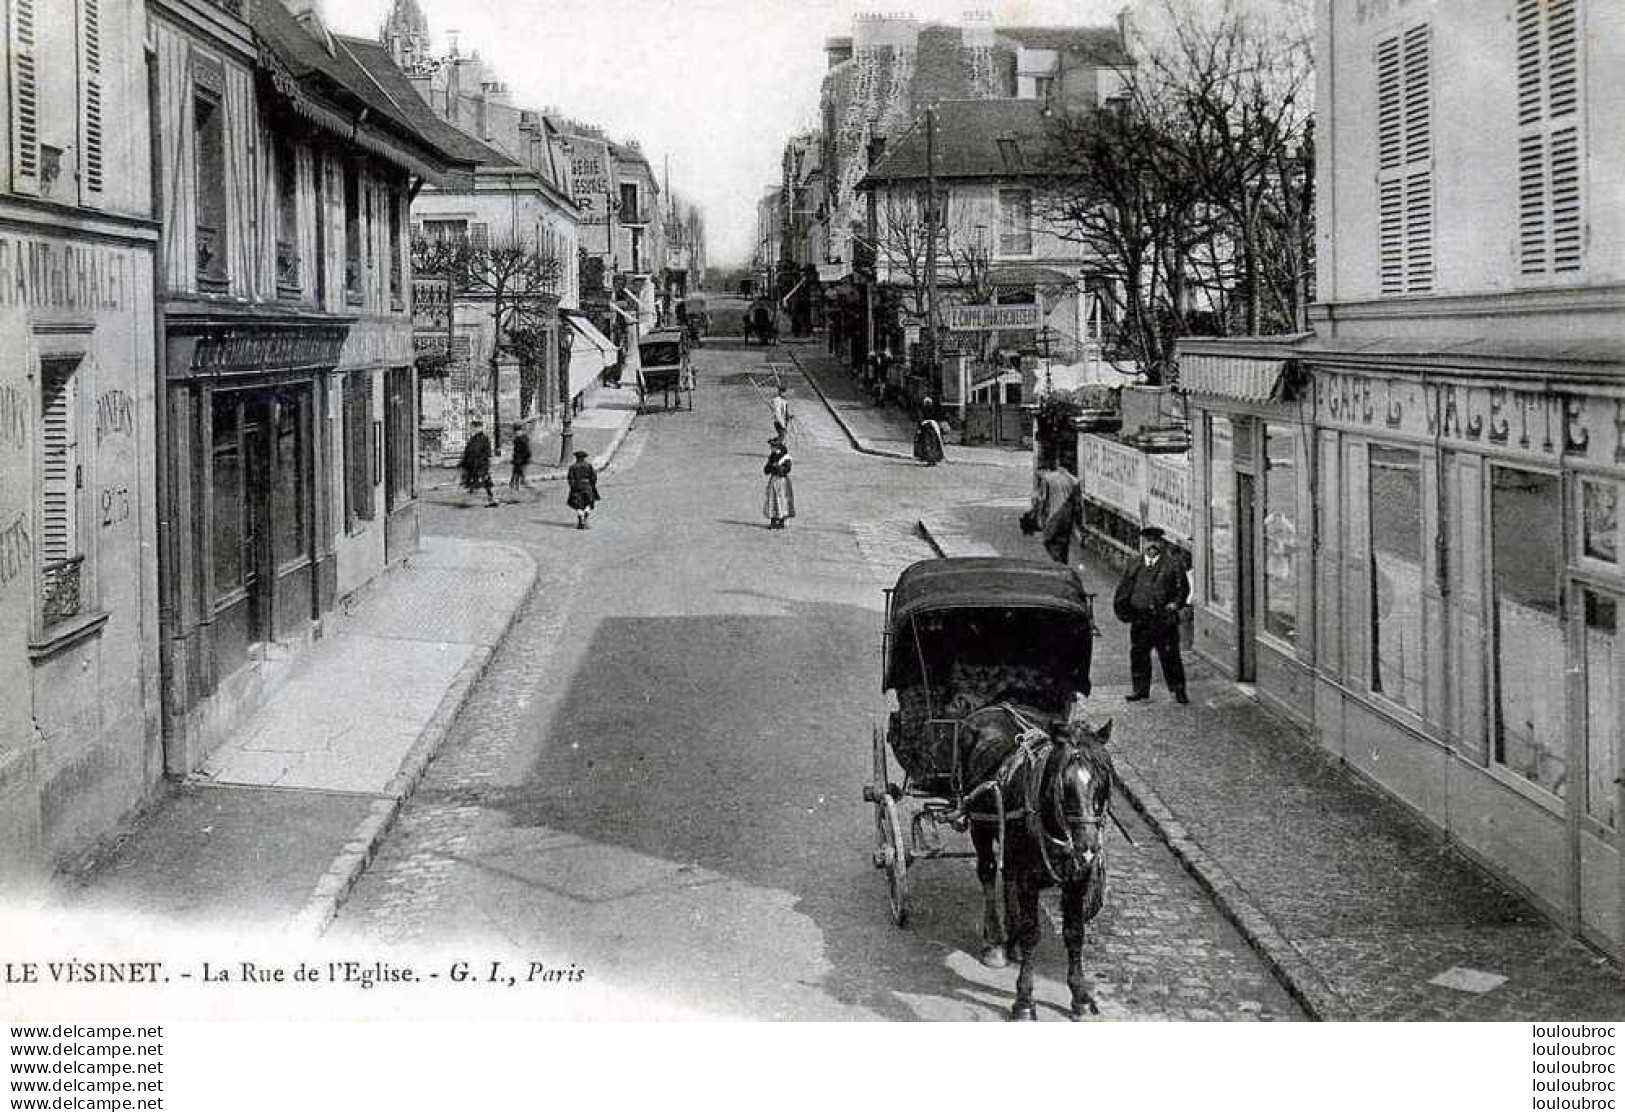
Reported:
(1520, 419)
(1112, 473)
(1168, 494)
(983, 318)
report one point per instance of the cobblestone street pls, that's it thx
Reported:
(658, 776)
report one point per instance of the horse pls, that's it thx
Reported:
(1041, 797)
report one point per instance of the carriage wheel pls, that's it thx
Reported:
(893, 852)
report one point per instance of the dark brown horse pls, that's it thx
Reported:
(1043, 796)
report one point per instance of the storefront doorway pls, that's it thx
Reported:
(259, 481)
(1246, 586)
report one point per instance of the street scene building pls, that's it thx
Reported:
(1155, 478)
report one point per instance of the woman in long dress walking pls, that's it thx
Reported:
(779, 502)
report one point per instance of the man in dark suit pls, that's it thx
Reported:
(1153, 591)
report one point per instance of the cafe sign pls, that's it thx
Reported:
(1539, 423)
(983, 318)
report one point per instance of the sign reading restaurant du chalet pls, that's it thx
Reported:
(1546, 424)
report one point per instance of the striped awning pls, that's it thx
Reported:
(1237, 377)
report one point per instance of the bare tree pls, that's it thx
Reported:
(902, 239)
(519, 280)
(1191, 187)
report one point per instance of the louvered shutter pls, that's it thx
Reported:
(90, 102)
(1551, 217)
(23, 41)
(1404, 65)
(59, 464)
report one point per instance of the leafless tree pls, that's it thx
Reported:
(902, 238)
(519, 280)
(1191, 186)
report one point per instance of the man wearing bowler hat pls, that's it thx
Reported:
(1149, 598)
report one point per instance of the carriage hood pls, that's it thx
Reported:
(988, 610)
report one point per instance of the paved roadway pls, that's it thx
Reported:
(658, 780)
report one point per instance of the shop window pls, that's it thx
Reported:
(1221, 487)
(1599, 517)
(228, 525)
(61, 515)
(288, 495)
(209, 145)
(1602, 705)
(1281, 531)
(1395, 482)
(401, 458)
(357, 449)
(1526, 528)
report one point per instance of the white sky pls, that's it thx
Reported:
(716, 85)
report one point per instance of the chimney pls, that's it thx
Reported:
(838, 49)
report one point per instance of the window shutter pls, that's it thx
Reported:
(90, 108)
(1551, 217)
(1389, 131)
(1418, 94)
(1391, 235)
(1419, 232)
(59, 436)
(25, 106)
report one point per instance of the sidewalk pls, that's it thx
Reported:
(597, 430)
(882, 431)
(1362, 911)
(285, 816)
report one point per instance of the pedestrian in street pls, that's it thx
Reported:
(1150, 598)
(928, 447)
(779, 502)
(476, 463)
(519, 457)
(582, 479)
(781, 412)
(1057, 506)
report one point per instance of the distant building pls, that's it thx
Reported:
(522, 196)
(1407, 523)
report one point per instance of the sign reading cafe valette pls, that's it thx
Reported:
(1531, 422)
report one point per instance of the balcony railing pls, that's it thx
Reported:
(61, 594)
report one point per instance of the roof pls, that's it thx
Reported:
(333, 87)
(457, 143)
(1097, 45)
(974, 139)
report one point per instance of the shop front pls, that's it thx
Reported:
(1417, 557)
(1251, 506)
(251, 437)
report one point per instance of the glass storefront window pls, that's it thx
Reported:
(1395, 486)
(288, 496)
(1526, 526)
(1602, 705)
(228, 497)
(1221, 487)
(1281, 531)
(1600, 509)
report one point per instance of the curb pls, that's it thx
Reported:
(851, 436)
(1302, 980)
(347, 868)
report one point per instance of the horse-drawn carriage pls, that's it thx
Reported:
(989, 660)
(664, 368)
(762, 321)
